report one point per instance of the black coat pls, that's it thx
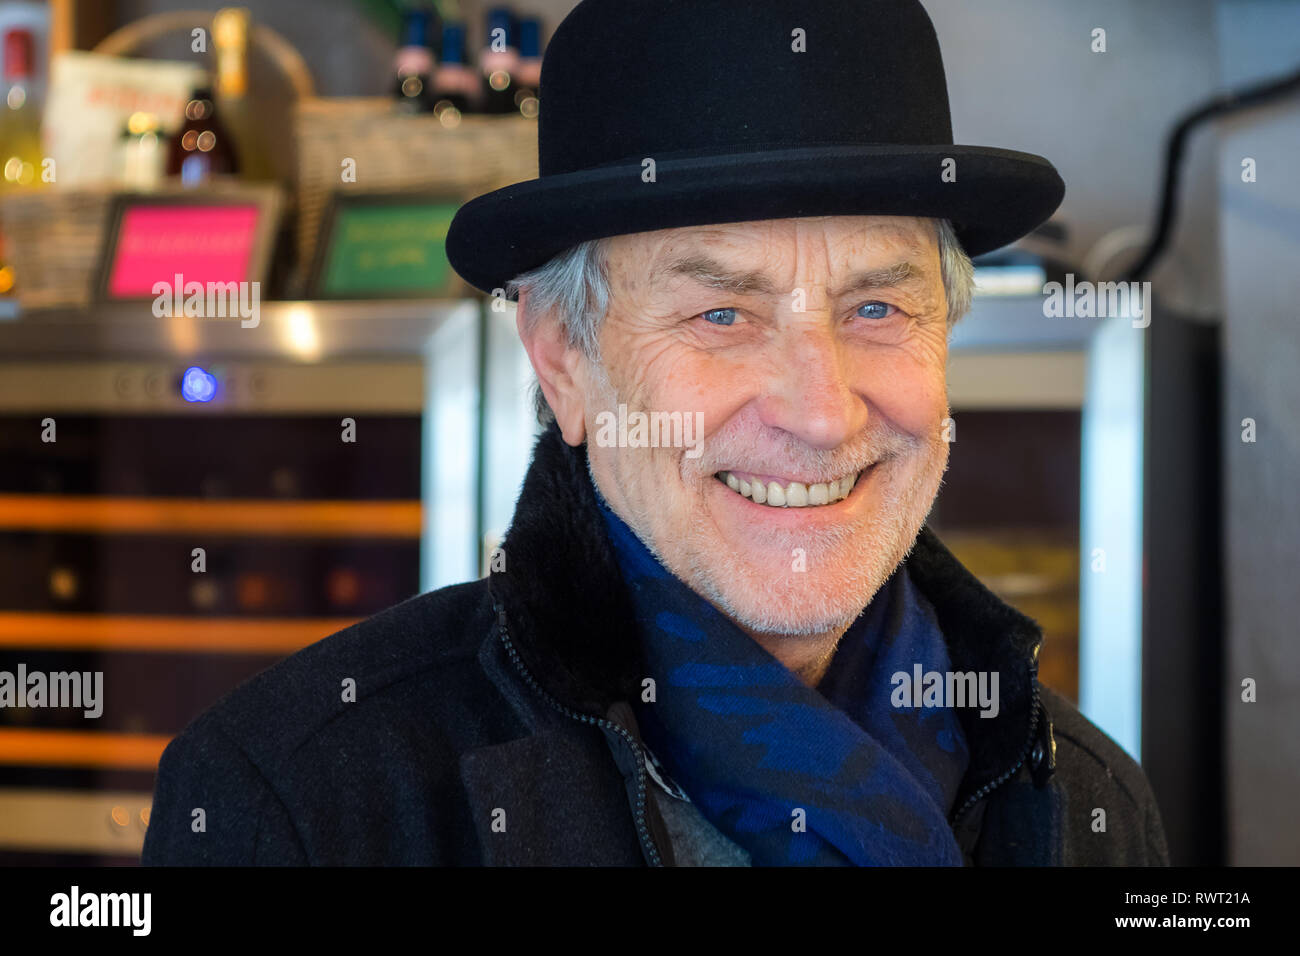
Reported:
(491, 725)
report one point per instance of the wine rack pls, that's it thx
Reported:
(301, 534)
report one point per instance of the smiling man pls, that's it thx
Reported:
(744, 648)
(814, 352)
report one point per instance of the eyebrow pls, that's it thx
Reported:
(709, 272)
(899, 274)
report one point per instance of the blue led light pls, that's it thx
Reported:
(198, 385)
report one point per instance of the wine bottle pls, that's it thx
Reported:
(20, 129)
(20, 137)
(413, 87)
(499, 62)
(230, 43)
(454, 82)
(201, 148)
(528, 78)
(140, 153)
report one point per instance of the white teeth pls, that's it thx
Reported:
(794, 495)
(775, 495)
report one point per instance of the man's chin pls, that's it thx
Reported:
(797, 622)
(798, 605)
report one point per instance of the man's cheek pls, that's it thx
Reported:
(645, 353)
(914, 407)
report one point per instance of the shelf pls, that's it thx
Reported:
(30, 631)
(230, 517)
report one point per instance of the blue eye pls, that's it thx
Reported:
(879, 310)
(719, 316)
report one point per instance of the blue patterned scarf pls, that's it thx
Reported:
(753, 746)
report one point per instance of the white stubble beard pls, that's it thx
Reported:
(845, 567)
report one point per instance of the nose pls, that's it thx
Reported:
(810, 394)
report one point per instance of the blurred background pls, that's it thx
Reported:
(185, 499)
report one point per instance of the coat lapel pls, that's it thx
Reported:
(983, 634)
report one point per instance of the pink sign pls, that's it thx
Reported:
(201, 243)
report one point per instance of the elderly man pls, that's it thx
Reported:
(726, 637)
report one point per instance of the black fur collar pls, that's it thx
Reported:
(570, 618)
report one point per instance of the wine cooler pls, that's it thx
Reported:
(179, 513)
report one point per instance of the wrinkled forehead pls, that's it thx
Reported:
(776, 248)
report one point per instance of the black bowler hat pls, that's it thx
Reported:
(750, 109)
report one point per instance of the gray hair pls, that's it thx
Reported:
(574, 287)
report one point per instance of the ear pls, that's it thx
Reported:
(557, 365)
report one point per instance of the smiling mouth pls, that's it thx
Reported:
(794, 494)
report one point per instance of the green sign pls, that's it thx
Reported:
(388, 249)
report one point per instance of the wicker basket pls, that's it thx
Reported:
(53, 239)
(392, 151)
(54, 236)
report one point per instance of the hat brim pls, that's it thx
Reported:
(998, 196)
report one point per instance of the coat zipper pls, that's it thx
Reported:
(642, 830)
(992, 785)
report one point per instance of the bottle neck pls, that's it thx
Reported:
(501, 53)
(414, 60)
(232, 74)
(18, 59)
(230, 37)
